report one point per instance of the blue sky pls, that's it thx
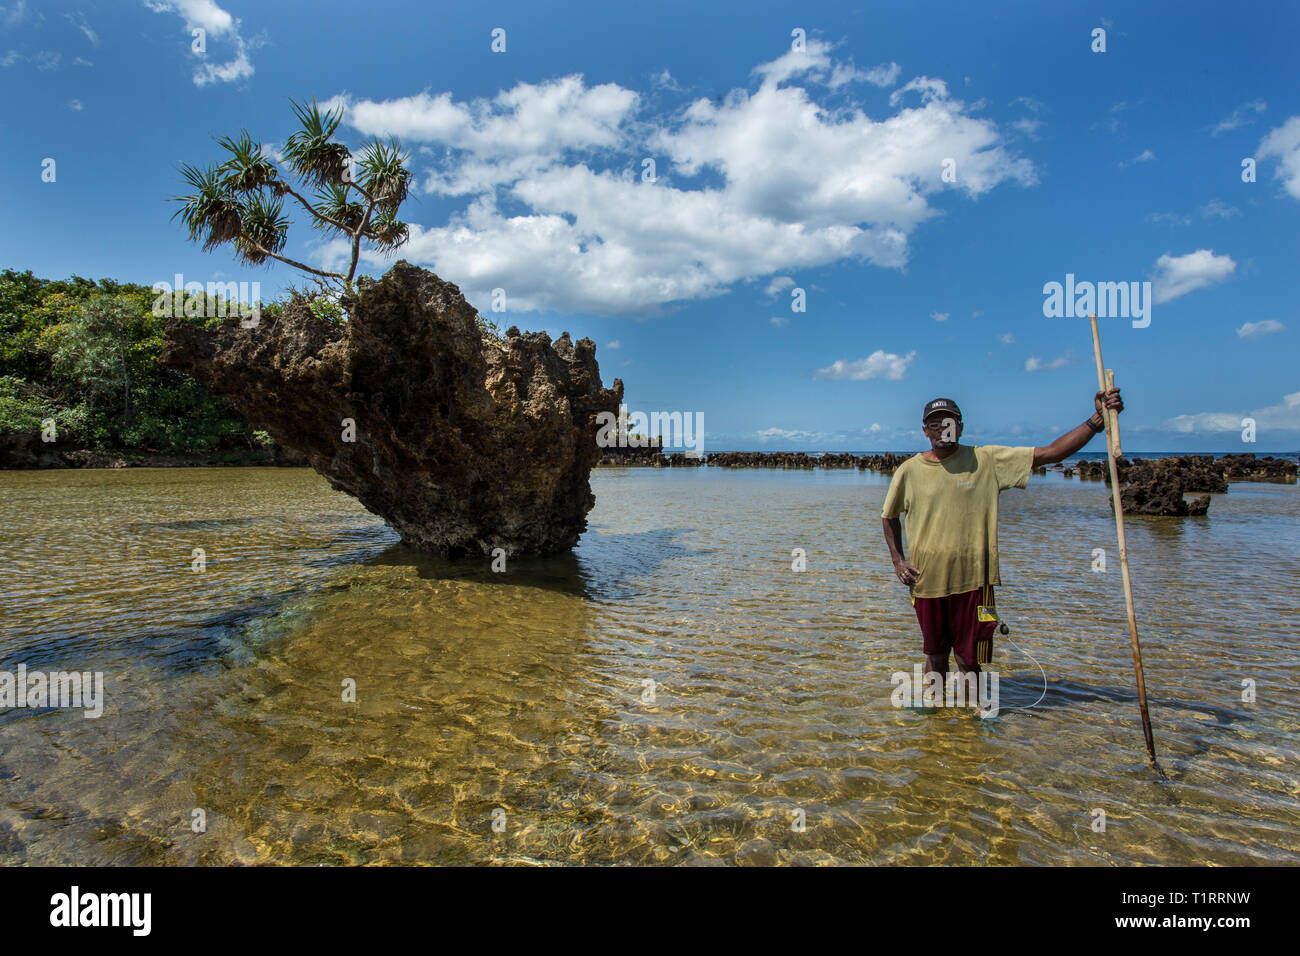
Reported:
(776, 169)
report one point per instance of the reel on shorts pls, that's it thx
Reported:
(987, 613)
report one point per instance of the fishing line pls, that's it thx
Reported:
(1040, 670)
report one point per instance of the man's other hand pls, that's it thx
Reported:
(906, 571)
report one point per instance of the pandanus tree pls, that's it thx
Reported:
(241, 201)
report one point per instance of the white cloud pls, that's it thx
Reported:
(204, 14)
(939, 316)
(795, 185)
(779, 321)
(778, 285)
(75, 105)
(1284, 144)
(883, 75)
(1282, 417)
(1173, 218)
(1145, 156)
(767, 434)
(1178, 275)
(11, 17)
(816, 64)
(10, 58)
(47, 60)
(1241, 116)
(1218, 209)
(78, 20)
(1253, 330)
(1006, 338)
(216, 24)
(1034, 364)
(879, 364)
(665, 79)
(614, 345)
(1027, 127)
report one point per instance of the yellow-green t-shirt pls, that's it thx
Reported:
(952, 514)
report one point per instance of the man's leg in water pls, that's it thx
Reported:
(936, 633)
(963, 613)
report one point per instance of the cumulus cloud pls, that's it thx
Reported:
(1283, 144)
(879, 364)
(1178, 275)
(1253, 330)
(1282, 417)
(216, 23)
(558, 213)
(939, 316)
(616, 344)
(1006, 338)
(779, 321)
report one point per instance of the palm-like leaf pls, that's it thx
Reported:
(309, 151)
(386, 231)
(333, 202)
(265, 228)
(384, 174)
(209, 212)
(248, 168)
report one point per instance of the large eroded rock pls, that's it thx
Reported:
(463, 442)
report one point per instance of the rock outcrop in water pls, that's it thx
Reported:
(799, 459)
(1162, 495)
(1156, 486)
(461, 441)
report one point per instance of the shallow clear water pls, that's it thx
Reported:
(523, 696)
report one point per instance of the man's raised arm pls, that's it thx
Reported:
(1080, 435)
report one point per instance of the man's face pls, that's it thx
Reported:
(943, 430)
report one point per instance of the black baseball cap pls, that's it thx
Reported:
(941, 405)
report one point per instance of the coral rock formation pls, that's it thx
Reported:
(461, 441)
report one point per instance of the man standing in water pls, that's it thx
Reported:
(950, 497)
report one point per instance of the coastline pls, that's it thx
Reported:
(38, 458)
(1278, 467)
(28, 456)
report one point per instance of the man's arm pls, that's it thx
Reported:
(1080, 435)
(906, 571)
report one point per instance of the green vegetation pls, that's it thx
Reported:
(241, 200)
(85, 354)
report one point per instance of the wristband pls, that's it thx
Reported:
(1096, 429)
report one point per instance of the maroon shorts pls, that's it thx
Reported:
(952, 624)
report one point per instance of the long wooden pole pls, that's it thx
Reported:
(1105, 382)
